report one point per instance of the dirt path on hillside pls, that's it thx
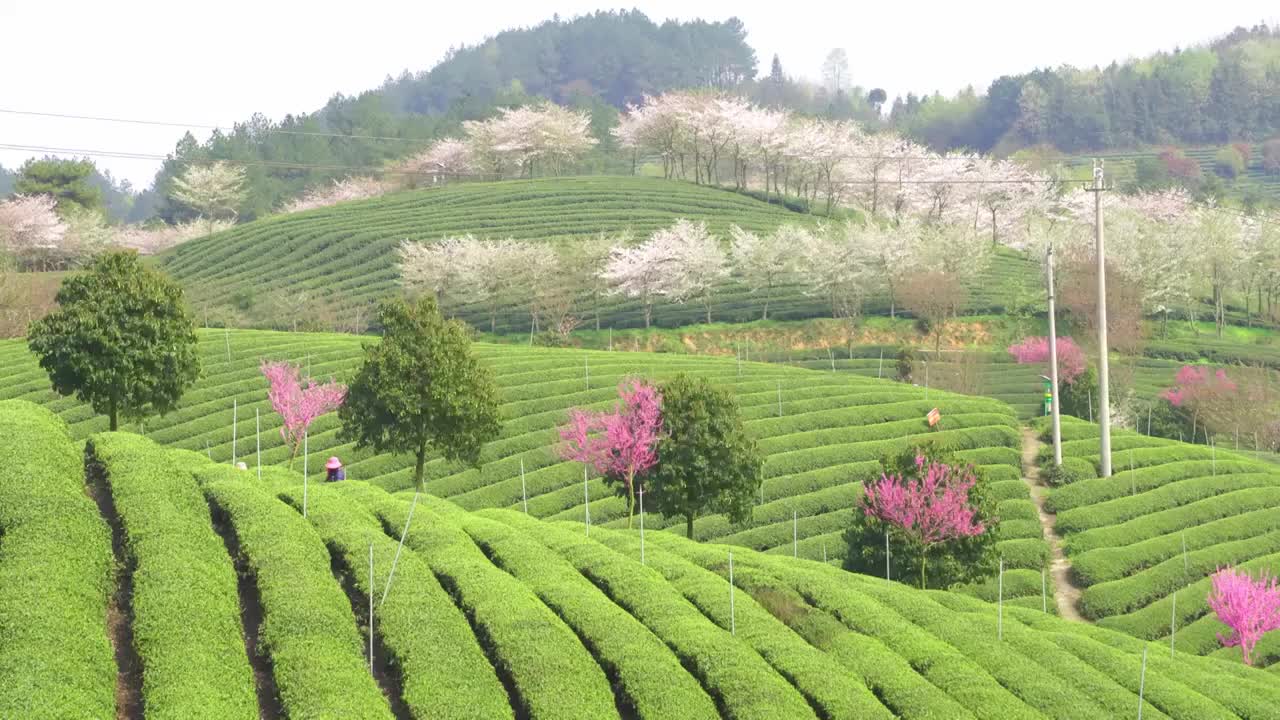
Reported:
(1065, 592)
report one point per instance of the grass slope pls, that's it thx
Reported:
(821, 434)
(577, 626)
(1161, 529)
(346, 253)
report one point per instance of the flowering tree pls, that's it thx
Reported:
(1071, 360)
(352, 188)
(214, 190)
(621, 445)
(1249, 607)
(30, 230)
(831, 265)
(298, 406)
(698, 262)
(642, 271)
(763, 261)
(929, 509)
(149, 240)
(1208, 395)
(433, 267)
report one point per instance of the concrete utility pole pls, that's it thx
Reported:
(1104, 379)
(1053, 361)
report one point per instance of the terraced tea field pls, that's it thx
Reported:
(346, 253)
(822, 434)
(239, 598)
(1171, 514)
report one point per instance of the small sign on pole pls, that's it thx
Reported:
(933, 417)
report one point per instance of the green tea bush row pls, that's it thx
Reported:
(1175, 519)
(308, 629)
(553, 674)
(648, 672)
(421, 628)
(1172, 495)
(730, 670)
(186, 612)
(55, 575)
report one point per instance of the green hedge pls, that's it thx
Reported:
(55, 575)
(186, 613)
(308, 630)
(1174, 495)
(804, 665)
(1175, 519)
(552, 673)
(421, 628)
(745, 684)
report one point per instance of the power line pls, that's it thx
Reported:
(163, 123)
(245, 163)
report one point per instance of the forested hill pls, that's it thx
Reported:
(599, 62)
(1223, 91)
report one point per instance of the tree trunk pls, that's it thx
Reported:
(688, 525)
(417, 468)
(631, 496)
(924, 561)
(111, 412)
(648, 314)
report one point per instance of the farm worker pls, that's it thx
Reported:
(334, 466)
(241, 466)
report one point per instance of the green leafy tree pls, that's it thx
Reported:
(121, 340)
(963, 559)
(421, 389)
(706, 461)
(68, 181)
(1228, 163)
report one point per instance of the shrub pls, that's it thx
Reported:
(1228, 163)
(1071, 470)
(1271, 156)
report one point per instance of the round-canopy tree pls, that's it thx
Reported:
(420, 389)
(706, 461)
(122, 339)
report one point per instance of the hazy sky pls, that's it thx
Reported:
(217, 63)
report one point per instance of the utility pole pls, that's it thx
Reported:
(1053, 361)
(1104, 379)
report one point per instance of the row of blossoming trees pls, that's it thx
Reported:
(842, 263)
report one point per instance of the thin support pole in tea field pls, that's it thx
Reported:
(370, 607)
(396, 560)
(641, 494)
(524, 491)
(1142, 682)
(257, 440)
(586, 503)
(586, 370)
(1173, 622)
(1000, 605)
(304, 473)
(795, 534)
(779, 398)
(886, 555)
(1044, 592)
(733, 621)
(226, 335)
(880, 367)
(235, 417)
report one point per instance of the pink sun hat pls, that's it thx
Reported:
(333, 464)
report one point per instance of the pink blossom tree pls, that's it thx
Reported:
(1207, 394)
(1249, 607)
(1071, 360)
(298, 406)
(931, 509)
(621, 445)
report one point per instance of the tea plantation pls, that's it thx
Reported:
(345, 254)
(228, 601)
(1144, 542)
(821, 435)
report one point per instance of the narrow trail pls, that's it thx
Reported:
(1065, 592)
